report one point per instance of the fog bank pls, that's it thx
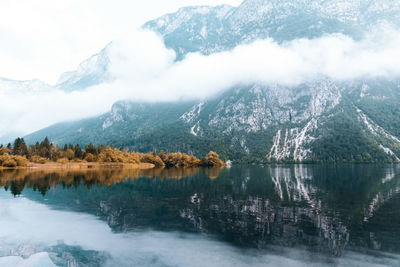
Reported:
(143, 69)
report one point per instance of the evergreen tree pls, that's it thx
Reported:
(91, 149)
(78, 152)
(20, 147)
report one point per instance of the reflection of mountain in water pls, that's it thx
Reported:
(323, 208)
(295, 220)
(312, 211)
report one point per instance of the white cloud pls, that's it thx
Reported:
(145, 69)
(43, 38)
(151, 75)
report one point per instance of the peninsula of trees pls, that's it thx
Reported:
(21, 155)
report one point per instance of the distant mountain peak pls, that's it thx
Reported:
(227, 27)
(92, 71)
(35, 85)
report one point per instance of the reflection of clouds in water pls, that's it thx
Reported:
(37, 260)
(33, 226)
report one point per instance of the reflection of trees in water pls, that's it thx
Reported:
(43, 180)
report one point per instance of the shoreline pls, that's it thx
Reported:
(80, 166)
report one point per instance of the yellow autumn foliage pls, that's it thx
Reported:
(11, 161)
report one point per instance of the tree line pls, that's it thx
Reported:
(20, 154)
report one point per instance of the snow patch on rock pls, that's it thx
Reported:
(296, 143)
(379, 132)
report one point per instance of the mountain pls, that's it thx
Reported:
(214, 29)
(120, 126)
(320, 120)
(14, 86)
(92, 71)
(209, 30)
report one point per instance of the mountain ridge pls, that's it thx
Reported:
(318, 120)
(243, 123)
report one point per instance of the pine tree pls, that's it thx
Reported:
(78, 152)
(20, 147)
(91, 149)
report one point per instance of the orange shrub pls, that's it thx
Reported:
(4, 151)
(63, 160)
(38, 159)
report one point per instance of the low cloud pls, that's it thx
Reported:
(145, 70)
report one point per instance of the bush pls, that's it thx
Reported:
(69, 154)
(90, 157)
(9, 162)
(153, 159)
(213, 160)
(134, 158)
(63, 160)
(38, 159)
(21, 161)
(4, 151)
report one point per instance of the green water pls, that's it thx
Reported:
(294, 215)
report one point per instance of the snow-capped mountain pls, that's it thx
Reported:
(12, 86)
(92, 71)
(214, 29)
(210, 30)
(320, 119)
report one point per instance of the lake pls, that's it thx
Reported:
(283, 215)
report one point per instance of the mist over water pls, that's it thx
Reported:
(38, 230)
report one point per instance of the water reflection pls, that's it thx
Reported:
(325, 209)
(44, 180)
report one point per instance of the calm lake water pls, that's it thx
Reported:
(294, 215)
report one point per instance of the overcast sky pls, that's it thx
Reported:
(44, 38)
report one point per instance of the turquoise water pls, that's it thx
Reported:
(294, 215)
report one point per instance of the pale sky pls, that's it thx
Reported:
(44, 38)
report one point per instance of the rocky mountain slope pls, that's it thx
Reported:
(210, 30)
(323, 119)
(214, 29)
(92, 71)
